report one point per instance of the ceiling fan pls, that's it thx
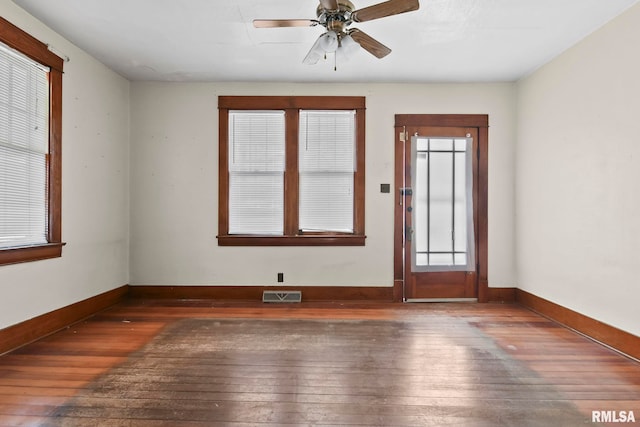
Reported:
(336, 16)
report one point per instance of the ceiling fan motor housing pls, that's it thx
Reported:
(335, 20)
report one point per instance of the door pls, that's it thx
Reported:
(440, 228)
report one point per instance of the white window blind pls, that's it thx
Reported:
(256, 172)
(326, 170)
(24, 144)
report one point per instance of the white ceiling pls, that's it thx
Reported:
(214, 40)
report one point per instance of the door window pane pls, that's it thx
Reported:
(442, 214)
(439, 202)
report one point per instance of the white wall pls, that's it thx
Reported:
(95, 189)
(174, 155)
(578, 175)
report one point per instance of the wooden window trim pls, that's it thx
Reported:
(19, 40)
(292, 105)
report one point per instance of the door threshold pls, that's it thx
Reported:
(441, 300)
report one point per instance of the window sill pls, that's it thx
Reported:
(299, 240)
(20, 254)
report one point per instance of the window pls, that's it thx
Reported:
(291, 171)
(30, 125)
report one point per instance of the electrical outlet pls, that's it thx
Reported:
(280, 277)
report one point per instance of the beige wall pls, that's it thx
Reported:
(578, 175)
(95, 189)
(174, 185)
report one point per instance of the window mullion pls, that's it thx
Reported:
(359, 174)
(223, 172)
(291, 173)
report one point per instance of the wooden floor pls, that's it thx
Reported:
(206, 363)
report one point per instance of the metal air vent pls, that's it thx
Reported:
(282, 296)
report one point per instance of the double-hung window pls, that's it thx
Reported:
(30, 121)
(291, 171)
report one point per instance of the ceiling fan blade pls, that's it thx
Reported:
(315, 53)
(369, 44)
(329, 4)
(388, 8)
(283, 23)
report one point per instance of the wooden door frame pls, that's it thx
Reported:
(481, 123)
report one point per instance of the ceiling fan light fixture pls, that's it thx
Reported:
(348, 45)
(329, 41)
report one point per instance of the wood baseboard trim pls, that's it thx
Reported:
(610, 336)
(503, 295)
(23, 333)
(254, 293)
